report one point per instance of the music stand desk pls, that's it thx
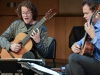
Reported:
(9, 66)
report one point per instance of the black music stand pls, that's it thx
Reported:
(15, 65)
(9, 66)
(12, 65)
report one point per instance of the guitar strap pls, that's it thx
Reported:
(11, 54)
(40, 57)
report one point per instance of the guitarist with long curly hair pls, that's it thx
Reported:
(36, 39)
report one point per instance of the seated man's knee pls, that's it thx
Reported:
(73, 57)
(67, 66)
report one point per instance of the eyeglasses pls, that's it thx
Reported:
(26, 13)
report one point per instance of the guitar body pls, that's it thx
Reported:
(27, 47)
(88, 48)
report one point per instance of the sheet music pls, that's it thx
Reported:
(22, 59)
(43, 69)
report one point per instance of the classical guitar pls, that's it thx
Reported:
(87, 47)
(24, 39)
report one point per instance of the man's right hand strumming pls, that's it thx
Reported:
(15, 47)
(75, 48)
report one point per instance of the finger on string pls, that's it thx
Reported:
(88, 25)
(85, 25)
(34, 32)
(31, 36)
(37, 30)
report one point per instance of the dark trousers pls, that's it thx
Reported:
(28, 72)
(82, 65)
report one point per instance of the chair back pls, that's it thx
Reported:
(51, 49)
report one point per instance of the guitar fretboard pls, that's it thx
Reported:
(23, 42)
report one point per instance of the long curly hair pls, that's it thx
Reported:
(29, 5)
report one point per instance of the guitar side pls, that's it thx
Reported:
(27, 47)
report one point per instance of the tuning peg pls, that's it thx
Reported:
(52, 15)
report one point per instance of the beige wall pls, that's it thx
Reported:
(70, 7)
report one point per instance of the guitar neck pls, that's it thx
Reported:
(85, 36)
(34, 28)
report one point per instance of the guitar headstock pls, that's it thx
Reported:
(97, 11)
(96, 15)
(50, 14)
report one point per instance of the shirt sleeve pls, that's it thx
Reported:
(6, 37)
(96, 42)
(80, 42)
(42, 45)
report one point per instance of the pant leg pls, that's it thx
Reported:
(68, 70)
(80, 65)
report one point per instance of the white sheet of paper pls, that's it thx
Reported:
(43, 69)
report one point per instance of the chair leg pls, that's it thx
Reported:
(19, 72)
(13, 73)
